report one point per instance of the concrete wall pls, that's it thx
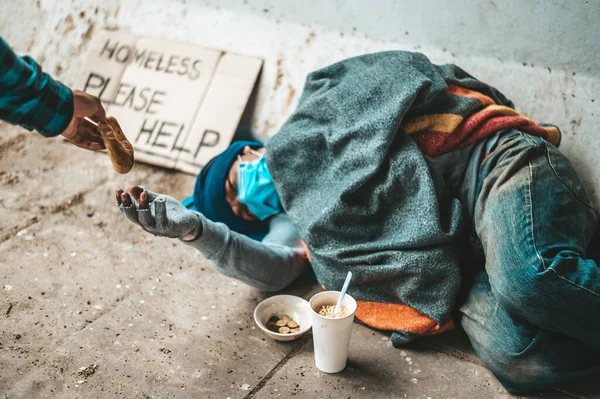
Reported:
(541, 54)
(560, 34)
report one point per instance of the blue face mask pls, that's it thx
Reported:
(256, 188)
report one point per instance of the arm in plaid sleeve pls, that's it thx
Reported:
(31, 98)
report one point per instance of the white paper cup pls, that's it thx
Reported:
(331, 337)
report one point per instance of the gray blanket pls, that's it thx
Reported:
(361, 193)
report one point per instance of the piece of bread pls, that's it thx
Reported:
(118, 147)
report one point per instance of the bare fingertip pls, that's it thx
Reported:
(136, 191)
(126, 199)
(144, 200)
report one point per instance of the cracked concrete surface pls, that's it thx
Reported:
(80, 286)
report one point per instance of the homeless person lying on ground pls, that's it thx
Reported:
(410, 175)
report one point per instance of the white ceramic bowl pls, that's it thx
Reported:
(294, 306)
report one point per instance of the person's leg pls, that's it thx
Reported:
(523, 357)
(532, 314)
(535, 222)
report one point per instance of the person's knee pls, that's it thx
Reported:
(516, 371)
(505, 347)
(520, 376)
(521, 355)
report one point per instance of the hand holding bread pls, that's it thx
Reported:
(80, 133)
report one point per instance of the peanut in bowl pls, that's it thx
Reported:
(278, 306)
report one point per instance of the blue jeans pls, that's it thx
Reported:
(532, 313)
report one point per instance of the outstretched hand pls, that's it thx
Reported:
(159, 214)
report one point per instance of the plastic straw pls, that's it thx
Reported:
(344, 288)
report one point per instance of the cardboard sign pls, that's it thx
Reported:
(221, 111)
(108, 56)
(159, 96)
(177, 103)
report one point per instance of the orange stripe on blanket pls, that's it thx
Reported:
(489, 120)
(498, 117)
(392, 317)
(500, 110)
(553, 134)
(462, 92)
(445, 123)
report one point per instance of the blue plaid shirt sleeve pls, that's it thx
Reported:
(31, 98)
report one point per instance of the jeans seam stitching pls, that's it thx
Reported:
(574, 283)
(529, 183)
(531, 210)
(563, 182)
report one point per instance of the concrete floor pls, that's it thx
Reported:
(81, 286)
